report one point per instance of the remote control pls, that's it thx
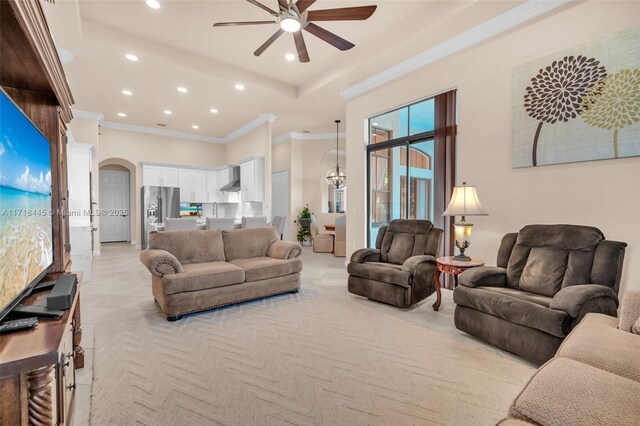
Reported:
(18, 324)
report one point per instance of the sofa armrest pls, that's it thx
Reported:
(571, 299)
(284, 250)
(160, 262)
(366, 255)
(487, 276)
(411, 264)
(629, 310)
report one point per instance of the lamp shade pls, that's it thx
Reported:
(464, 202)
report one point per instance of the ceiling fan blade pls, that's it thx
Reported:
(328, 36)
(344, 14)
(263, 7)
(303, 5)
(268, 42)
(232, 24)
(284, 4)
(301, 46)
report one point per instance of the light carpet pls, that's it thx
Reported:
(305, 359)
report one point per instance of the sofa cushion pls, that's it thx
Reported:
(546, 258)
(381, 271)
(248, 243)
(196, 246)
(596, 341)
(201, 276)
(514, 306)
(567, 392)
(262, 268)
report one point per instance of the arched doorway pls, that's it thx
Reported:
(116, 185)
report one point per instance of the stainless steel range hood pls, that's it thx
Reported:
(234, 182)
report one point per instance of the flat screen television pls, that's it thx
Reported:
(26, 236)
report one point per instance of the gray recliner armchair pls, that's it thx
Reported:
(547, 279)
(400, 270)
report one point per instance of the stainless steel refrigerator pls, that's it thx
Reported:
(158, 203)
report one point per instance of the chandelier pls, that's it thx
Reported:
(337, 177)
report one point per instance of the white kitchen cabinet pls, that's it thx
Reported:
(199, 183)
(169, 176)
(193, 185)
(212, 186)
(185, 182)
(151, 176)
(159, 176)
(252, 180)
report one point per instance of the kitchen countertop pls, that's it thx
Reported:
(200, 224)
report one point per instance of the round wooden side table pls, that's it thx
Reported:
(449, 265)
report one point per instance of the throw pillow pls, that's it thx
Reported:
(636, 327)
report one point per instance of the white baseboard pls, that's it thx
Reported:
(138, 246)
(96, 252)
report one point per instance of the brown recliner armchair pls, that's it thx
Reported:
(547, 279)
(400, 270)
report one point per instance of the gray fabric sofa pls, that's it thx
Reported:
(594, 379)
(199, 270)
(547, 278)
(400, 270)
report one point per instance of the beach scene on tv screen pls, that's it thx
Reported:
(26, 245)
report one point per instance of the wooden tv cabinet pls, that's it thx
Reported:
(37, 368)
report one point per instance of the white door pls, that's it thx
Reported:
(280, 197)
(115, 215)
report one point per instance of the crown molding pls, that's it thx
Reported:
(260, 120)
(490, 28)
(159, 132)
(307, 137)
(254, 124)
(89, 115)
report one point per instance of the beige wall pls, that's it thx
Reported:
(86, 131)
(255, 143)
(303, 160)
(599, 193)
(116, 145)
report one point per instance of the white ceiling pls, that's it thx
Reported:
(178, 46)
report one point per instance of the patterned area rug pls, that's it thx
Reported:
(307, 359)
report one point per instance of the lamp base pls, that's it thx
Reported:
(462, 258)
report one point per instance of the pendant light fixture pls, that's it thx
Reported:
(337, 177)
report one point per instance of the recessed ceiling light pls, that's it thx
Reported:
(239, 86)
(167, 112)
(131, 57)
(122, 114)
(290, 57)
(213, 111)
(127, 92)
(182, 89)
(153, 4)
(195, 126)
(375, 124)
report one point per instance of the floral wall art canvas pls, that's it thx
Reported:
(579, 105)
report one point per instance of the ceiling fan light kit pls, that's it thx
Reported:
(294, 17)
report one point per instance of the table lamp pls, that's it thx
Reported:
(464, 202)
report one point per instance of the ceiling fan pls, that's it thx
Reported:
(294, 17)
